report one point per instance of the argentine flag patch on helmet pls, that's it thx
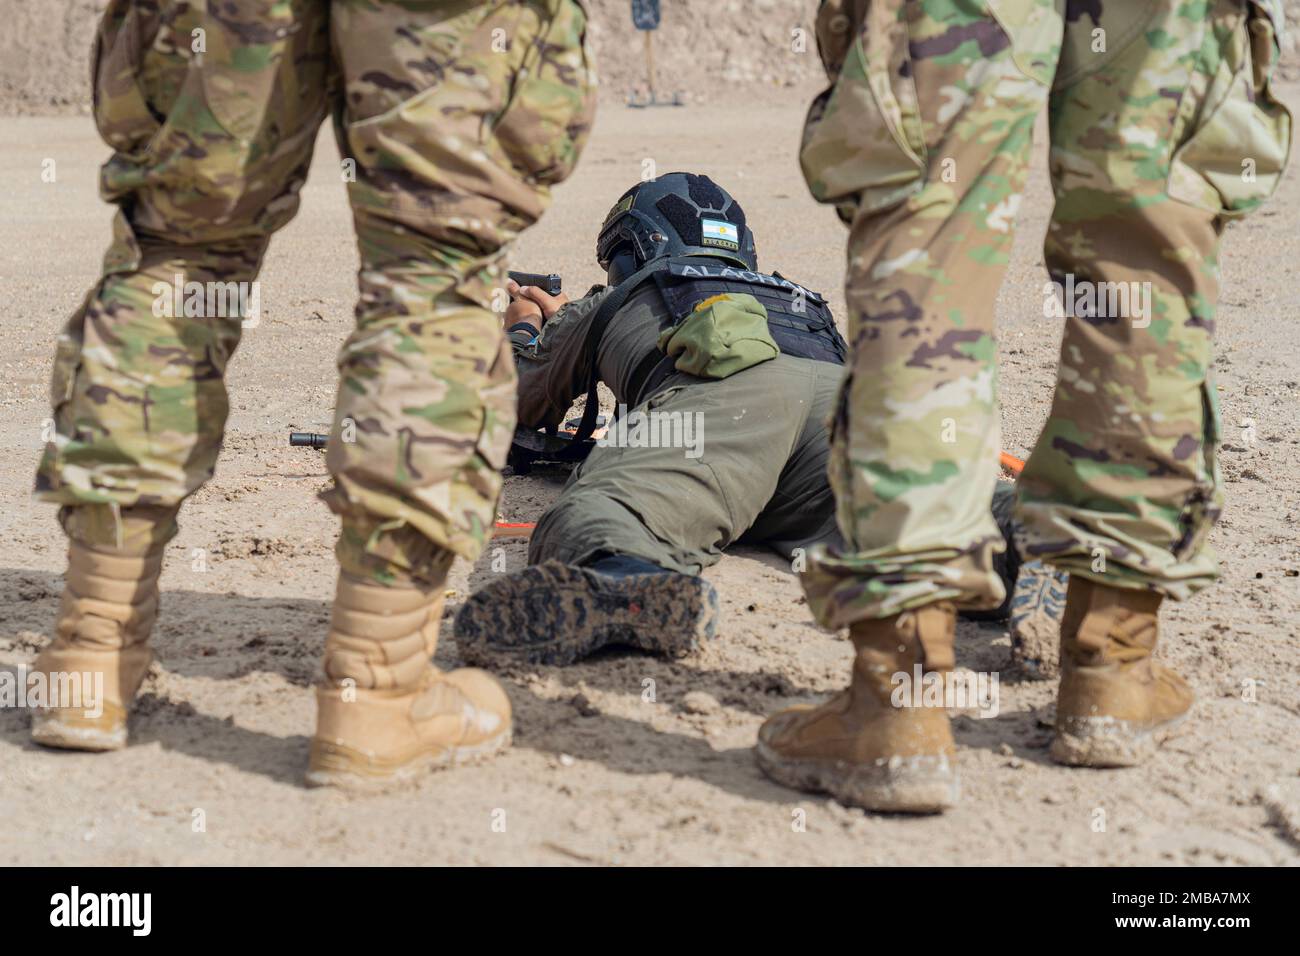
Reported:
(719, 232)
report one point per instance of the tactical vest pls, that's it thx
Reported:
(798, 319)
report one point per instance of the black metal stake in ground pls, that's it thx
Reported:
(645, 17)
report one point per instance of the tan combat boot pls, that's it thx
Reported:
(99, 653)
(385, 714)
(858, 746)
(1116, 703)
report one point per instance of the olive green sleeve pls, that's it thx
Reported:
(553, 368)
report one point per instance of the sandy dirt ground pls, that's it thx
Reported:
(603, 770)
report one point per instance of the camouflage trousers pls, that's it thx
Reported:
(453, 118)
(1162, 128)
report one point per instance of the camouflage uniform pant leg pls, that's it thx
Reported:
(923, 143)
(206, 164)
(1151, 144)
(458, 118)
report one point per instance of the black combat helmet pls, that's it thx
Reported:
(678, 214)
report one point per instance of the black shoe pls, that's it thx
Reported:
(555, 613)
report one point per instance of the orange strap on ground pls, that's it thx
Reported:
(513, 529)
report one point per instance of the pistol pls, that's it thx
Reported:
(550, 284)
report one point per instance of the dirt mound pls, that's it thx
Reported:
(704, 48)
(45, 55)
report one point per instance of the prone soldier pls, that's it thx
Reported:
(724, 379)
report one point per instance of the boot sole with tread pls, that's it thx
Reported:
(556, 614)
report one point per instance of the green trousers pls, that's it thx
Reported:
(749, 464)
